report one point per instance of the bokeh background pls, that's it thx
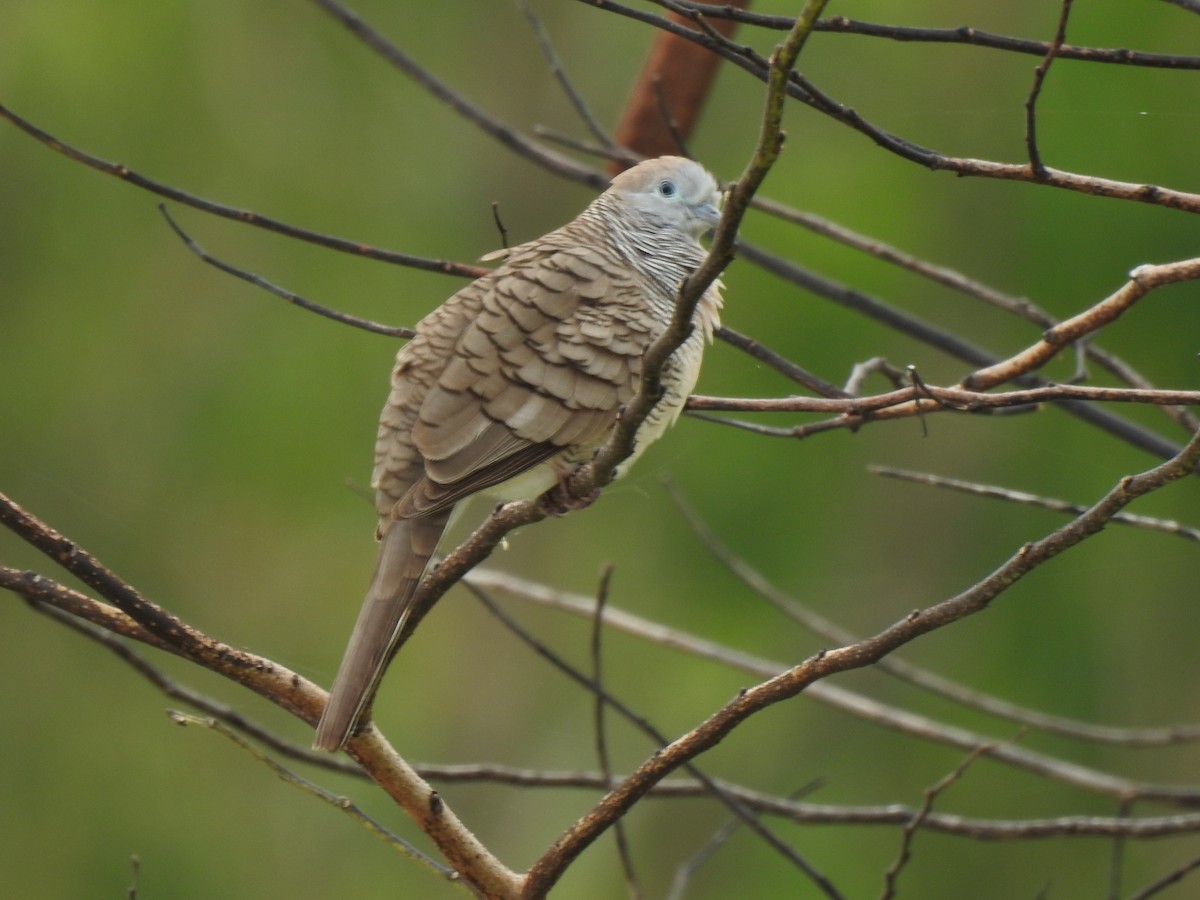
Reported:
(210, 443)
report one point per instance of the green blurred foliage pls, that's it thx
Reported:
(208, 442)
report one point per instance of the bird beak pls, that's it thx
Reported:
(708, 214)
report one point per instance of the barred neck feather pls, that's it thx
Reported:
(656, 250)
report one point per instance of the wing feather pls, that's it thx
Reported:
(540, 367)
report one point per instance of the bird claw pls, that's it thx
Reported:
(558, 501)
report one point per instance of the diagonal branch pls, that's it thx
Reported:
(284, 294)
(740, 195)
(964, 34)
(284, 688)
(794, 681)
(509, 137)
(599, 472)
(710, 784)
(801, 89)
(675, 80)
(245, 216)
(899, 720)
(343, 804)
(949, 343)
(1150, 523)
(549, 868)
(1141, 281)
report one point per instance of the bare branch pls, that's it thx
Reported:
(1116, 865)
(882, 250)
(783, 366)
(78, 613)
(905, 401)
(686, 870)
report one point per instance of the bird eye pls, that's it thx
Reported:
(667, 188)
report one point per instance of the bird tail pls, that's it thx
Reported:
(403, 556)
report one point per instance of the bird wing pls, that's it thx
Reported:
(550, 356)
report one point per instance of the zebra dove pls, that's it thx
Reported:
(520, 376)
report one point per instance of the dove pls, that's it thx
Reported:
(519, 377)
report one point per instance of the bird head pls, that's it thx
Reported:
(671, 191)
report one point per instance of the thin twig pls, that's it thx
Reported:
(499, 225)
(1116, 866)
(903, 402)
(289, 777)
(669, 122)
(245, 216)
(598, 709)
(687, 870)
(1039, 77)
(102, 634)
(624, 157)
(1150, 523)
(949, 343)
(964, 34)
(283, 293)
(1171, 878)
(560, 75)
(780, 364)
(889, 253)
(800, 88)
(911, 827)
(505, 134)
